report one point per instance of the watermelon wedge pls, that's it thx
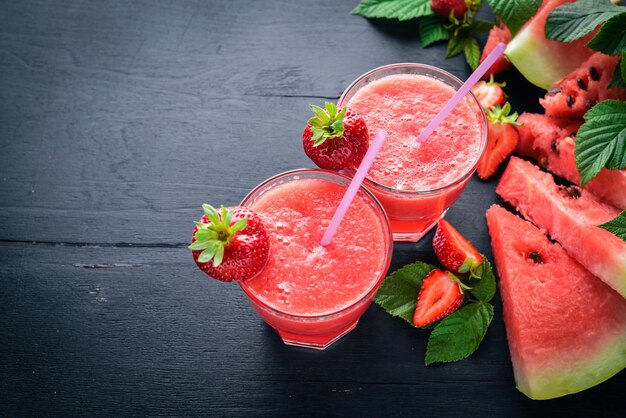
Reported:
(581, 89)
(544, 61)
(566, 329)
(551, 141)
(570, 216)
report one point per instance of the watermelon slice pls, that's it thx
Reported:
(581, 89)
(550, 142)
(544, 61)
(570, 216)
(566, 329)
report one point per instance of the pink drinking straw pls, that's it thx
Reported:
(462, 91)
(353, 188)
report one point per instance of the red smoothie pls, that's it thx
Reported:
(311, 294)
(417, 182)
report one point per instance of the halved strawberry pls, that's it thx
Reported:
(497, 34)
(489, 93)
(335, 139)
(502, 139)
(231, 244)
(439, 296)
(454, 251)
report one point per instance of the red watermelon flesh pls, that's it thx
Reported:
(570, 216)
(581, 89)
(551, 141)
(544, 61)
(566, 329)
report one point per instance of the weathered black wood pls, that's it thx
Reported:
(117, 120)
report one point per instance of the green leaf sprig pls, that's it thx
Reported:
(456, 336)
(432, 27)
(459, 32)
(601, 140)
(601, 143)
(462, 39)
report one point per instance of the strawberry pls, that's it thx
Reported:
(335, 139)
(497, 34)
(502, 139)
(489, 93)
(445, 7)
(234, 239)
(454, 251)
(439, 296)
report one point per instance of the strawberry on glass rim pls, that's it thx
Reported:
(335, 139)
(230, 244)
(455, 252)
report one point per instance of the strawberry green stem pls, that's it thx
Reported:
(502, 115)
(214, 236)
(327, 123)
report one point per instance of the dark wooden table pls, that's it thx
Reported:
(117, 120)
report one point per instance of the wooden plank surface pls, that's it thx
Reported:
(117, 120)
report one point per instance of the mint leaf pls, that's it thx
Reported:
(572, 21)
(397, 295)
(616, 226)
(472, 52)
(456, 44)
(618, 79)
(432, 29)
(484, 288)
(601, 140)
(394, 9)
(481, 26)
(514, 13)
(611, 39)
(458, 335)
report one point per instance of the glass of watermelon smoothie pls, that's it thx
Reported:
(310, 294)
(417, 182)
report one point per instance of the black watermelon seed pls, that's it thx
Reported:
(554, 145)
(581, 84)
(536, 257)
(572, 191)
(570, 101)
(595, 76)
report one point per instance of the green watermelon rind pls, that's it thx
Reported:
(600, 366)
(544, 61)
(527, 52)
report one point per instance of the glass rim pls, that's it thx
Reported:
(482, 120)
(386, 264)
